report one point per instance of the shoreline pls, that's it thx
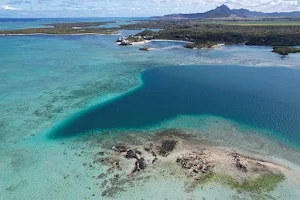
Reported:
(32, 164)
(136, 43)
(166, 40)
(195, 162)
(36, 34)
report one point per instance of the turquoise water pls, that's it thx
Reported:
(17, 23)
(47, 80)
(261, 97)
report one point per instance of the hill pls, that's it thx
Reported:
(225, 12)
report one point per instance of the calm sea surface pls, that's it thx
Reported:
(61, 86)
(261, 97)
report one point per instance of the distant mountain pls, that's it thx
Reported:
(225, 12)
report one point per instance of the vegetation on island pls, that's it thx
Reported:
(259, 187)
(77, 24)
(57, 31)
(135, 39)
(64, 29)
(204, 35)
(198, 33)
(194, 31)
(200, 45)
(285, 50)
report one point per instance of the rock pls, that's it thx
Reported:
(119, 39)
(154, 160)
(241, 167)
(125, 43)
(153, 154)
(145, 49)
(101, 176)
(110, 161)
(238, 163)
(148, 147)
(166, 147)
(118, 165)
(139, 165)
(195, 162)
(131, 154)
(138, 152)
(136, 167)
(142, 163)
(120, 148)
(101, 153)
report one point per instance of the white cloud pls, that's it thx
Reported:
(5, 7)
(136, 7)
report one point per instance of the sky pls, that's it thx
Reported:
(132, 8)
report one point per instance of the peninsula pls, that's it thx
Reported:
(221, 25)
(197, 31)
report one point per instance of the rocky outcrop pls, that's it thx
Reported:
(238, 163)
(166, 147)
(149, 149)
(195, 162)
(139, 165)
(120, 148)
(111, 162)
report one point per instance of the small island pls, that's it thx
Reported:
(134, 39)
(200, 45)
(64, 29)
(145, 49)
(285, 50)
(197, 33)
(173, 153)
(129, 40)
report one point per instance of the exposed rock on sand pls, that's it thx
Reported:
(238, 163)
(139, 165)
(166, 147)
(196, 162)
(120, 148)
(139, 157)
(110, 161)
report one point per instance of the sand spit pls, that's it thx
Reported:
(138, 158)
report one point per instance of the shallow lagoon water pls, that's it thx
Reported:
(17, 23)
(46, 80)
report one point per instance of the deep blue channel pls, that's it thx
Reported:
(261, 97)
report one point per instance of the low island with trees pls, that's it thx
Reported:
(198, 33)
(64, 29)
(285, 50)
